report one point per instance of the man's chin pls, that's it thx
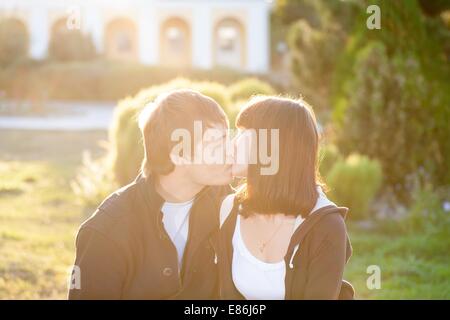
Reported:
(227, 179)
(239, 174)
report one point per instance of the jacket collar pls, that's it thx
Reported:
(203, 222)
(311, 220)
(203, 219)
(155, 201)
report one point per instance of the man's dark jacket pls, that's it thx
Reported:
(124, 252)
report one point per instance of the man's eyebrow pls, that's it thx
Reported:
(223, 135)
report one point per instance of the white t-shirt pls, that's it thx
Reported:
(176, 223)
(256, 279)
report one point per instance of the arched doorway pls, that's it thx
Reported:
(229, 44)
(121, 40)
(175, 43)
(14, 40)
(69, 44)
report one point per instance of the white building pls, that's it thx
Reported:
(197, 33)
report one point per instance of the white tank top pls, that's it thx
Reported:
(256, 279)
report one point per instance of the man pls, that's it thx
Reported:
(156, 237)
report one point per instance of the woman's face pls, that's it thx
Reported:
(242, 150)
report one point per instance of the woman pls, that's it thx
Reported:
(281, 238)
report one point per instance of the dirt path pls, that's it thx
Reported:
(61, 116)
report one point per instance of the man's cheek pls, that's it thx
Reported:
(239, 170)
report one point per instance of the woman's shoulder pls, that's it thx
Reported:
(331, 225)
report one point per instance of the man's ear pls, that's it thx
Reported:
(178, 160)
(180, 153)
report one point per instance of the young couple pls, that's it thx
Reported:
(179, 231)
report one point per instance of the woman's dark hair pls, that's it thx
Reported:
(292, 190)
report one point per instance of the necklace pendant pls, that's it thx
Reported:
(262, 247)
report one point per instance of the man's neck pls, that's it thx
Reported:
(176, 187)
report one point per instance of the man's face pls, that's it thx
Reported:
(214, 158)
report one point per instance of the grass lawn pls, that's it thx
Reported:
(39, 217)
(38, 222)
(413, 266)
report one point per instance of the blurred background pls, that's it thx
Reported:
(74, 74)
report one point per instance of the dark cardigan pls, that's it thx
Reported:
(315, 259)
(124, 252)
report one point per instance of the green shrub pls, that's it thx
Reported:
(329, 155)
(126, 147)
(425, 215)
(353, 183)
(94, 181)
(435, 7)
(426, 212)
(314, 52)
(97, 79)
(395, 115)
(234, 110)
(214, 90)
(13, 41)
(248, 87)
(391, 98)
(314, 48)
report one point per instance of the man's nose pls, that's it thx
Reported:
(230, 154)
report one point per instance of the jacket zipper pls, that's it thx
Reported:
(214, 249)
(291, 261)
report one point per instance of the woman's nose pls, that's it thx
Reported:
(231, 152)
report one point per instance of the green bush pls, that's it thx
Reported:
(316, 39)
(13, 41)
(126, 148)
(435, 7)
(98, 79)
(329, 155)
(353, 183)
(233, 110)
(248, 87)
(426, 212)
(94, 181)
(313, 54)
(214, 90)
(395, 115)
(391, 98)
(317, 12)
